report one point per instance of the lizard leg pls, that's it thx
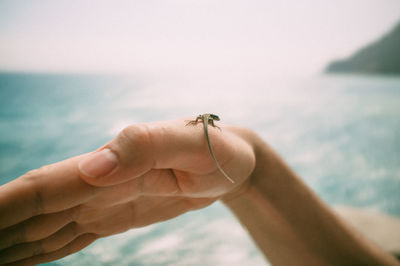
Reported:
(194, 122)
(211, 121)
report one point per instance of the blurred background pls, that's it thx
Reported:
(319, 80)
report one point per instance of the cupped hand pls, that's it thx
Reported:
(149, 173)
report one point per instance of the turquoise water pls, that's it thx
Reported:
(340, 133)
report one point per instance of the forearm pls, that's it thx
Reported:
(291, 225)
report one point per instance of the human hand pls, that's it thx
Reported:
(158, 171)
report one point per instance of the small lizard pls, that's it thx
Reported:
(209, 119)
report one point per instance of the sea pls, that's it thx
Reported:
(340, 133)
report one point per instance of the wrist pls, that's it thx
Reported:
(259, 149)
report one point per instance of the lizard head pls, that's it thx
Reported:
(214, 117)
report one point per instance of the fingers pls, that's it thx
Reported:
(141, 212)
(159, 182)
(52, 188)
(74, 246)
(54, 242)
(139, 148)
(36, 228)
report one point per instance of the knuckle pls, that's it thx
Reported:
(136, 135)
(133, 145)
(32, 180)
(38, 201)
(37, 248)
(33, 174)
(74, 214)
(38, 172)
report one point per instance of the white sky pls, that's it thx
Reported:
(210, 36)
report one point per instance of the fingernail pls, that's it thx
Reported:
(99, 163)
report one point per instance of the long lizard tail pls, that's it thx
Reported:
(215, 160)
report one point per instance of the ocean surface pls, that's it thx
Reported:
(340, 133)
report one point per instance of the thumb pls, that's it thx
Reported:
(135, 151)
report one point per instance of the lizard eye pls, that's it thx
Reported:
(215, 117)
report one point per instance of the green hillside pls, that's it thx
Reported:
(382, 56)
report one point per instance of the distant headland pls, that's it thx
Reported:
(379, 57)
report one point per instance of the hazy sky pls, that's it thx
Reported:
(187, 35)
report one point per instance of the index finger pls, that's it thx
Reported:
(51, 188)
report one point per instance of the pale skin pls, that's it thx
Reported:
(161, 170)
